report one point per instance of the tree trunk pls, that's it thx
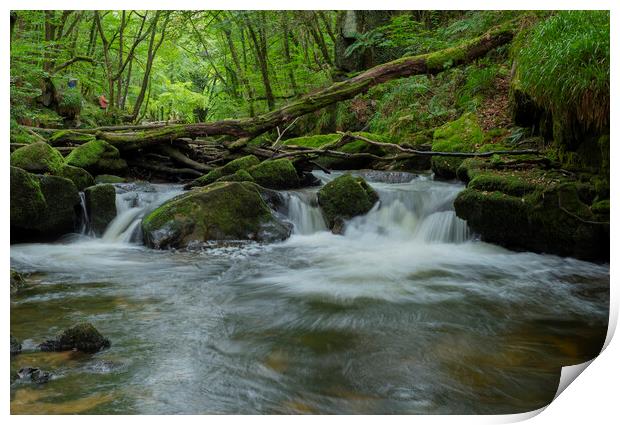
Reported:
(260, 49)
(287, 51)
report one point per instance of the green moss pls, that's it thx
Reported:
(96, 156)
(101, 206)
(315, 141)
(470, 168)
(275, 174)
(601, 207)
(445, 58)
(27, 200)
(109, 179)
(462, 135)
(238, 176)
(79, 176)
(243, 163)
(511, 185)
(38, 158)
(346, 197)
(82, 337)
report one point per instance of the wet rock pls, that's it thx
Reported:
(16, 346)
(521, 213)
(275, 174)
(38, 158)
(100, 206)
(97, 157)
(220, 211)
(27, 200)
(344, 198)
(34, 374)
(43, 207)
(79, 176)
(238, 176)
(243, 163)
(81, 337)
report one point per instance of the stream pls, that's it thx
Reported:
(407, 313)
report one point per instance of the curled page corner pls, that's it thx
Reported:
(569, 374)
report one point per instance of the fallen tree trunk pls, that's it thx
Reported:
(247, 128)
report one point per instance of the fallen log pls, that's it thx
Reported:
(247, 128)
(165, 169)
(178, 156)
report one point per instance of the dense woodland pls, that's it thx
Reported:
(175, 95)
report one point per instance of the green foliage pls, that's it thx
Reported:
(564, 62)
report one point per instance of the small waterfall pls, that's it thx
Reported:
(84, 220)
(304, 213)
(443, 226)
(133, 202)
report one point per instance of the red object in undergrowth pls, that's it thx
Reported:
(103, 102)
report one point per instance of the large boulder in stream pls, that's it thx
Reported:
(81, 337)
(100, 206)
(97, 157)
(39, 158)
(344, 198)
(275, 174)
(42, 207)
(220, 211)
(79, 176)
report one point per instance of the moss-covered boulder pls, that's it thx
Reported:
(81, 337)
(239, 176)
(100, 206)
(63, 203)
(344, 198)
(97, 157)
(109, 179)
(275, 174)
(462, 135)
(79, 176)
(529, 213)
(27, 200)
(243, 163)
(38, 158)
(42, 207)
(17, 281)
(220, 211)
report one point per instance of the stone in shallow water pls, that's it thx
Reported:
(82, 337)
(34, 374)
(16, 346)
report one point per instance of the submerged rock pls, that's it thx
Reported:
(100, 206)
(275, 174)
(16, 346)
(220, 211)
(38, 158)
(344, 198)
(81, 337)
(79, 176)
(97, 157)
(34, 374)
(227, 170)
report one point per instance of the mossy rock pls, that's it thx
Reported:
(601, 208)
(63, 202)
(243, 163)
(100, 206)
(82, 337)
(313, 141)
(220, 211)
(27, 200)
(275, 174)
(79, 176)
(462, 135)
(97, 157)
(239, 176)
(470, 168)
(510, 185)
(550, 219)
(38, 158)
(109, 179)
(345, 197)
(16, 346)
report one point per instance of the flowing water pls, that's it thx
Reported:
(406, 313)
